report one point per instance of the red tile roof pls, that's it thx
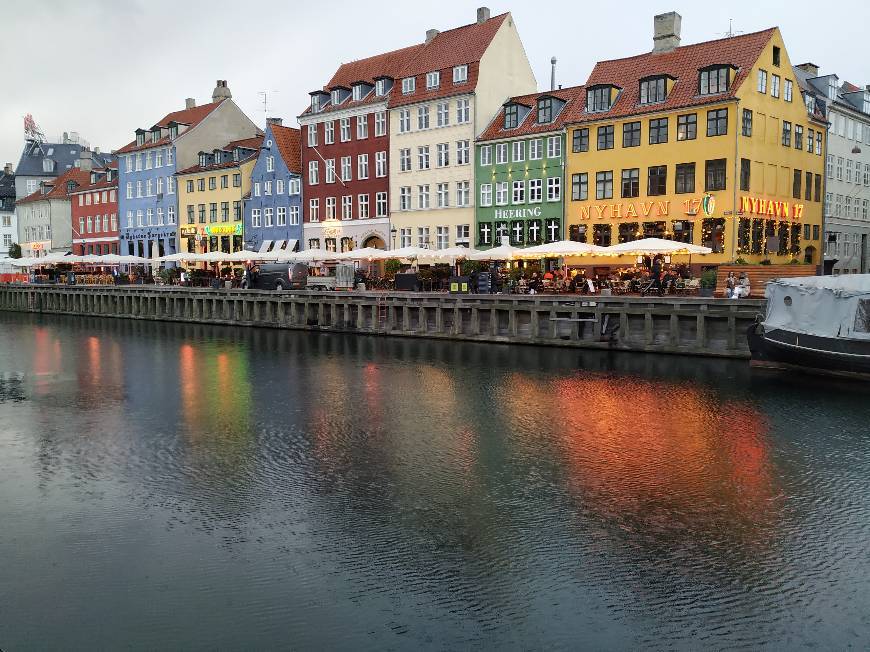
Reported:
(574, 97)
(683, 64)
(289, 142)
(455, 47)
(191, 117)
(101, 184)
(58, 191)
(248, 143)
(462, 45)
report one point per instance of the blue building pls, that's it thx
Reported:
(147, 193)
(273, 212)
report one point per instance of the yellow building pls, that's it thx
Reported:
(709, 143)
(211, 196)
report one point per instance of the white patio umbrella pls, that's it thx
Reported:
(560, 249)
(307, 255)
(244, 255)
(653, 246)
(452, 253)
(410, 253)
(366, 253)
(504, 252)
(170, 258)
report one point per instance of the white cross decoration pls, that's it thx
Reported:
(553, 228)
(484, 231)
(518, 232)
(534, 227)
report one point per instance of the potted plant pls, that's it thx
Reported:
(708, 283)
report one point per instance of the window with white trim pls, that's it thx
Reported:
(442, 195)
(312, 135)
(433, 80)
(463, 111)
(422, 117)
(443, 150)
(408, 85)
(501, 193)
(462, 152)
(463, 193)
(363, 206)
(294, 215)
(460, 74)
(554, 147)
(405, 198)
(443, 114)
(486, 194)
(501, 153)
(362, 166)
(380, 123)
(404, 121)
(314, 210)
(519, 192)
(312, 173)
(381, 204)
(554, 188)
(381, 163)
(330, 170)
(535, 191)
(344, 125)
(362, 127)
(486, 155)
(329, 132)
(347, 207)
(423, 196)
(330, 208)
(519, 151)
(346, 172)
(281, 216)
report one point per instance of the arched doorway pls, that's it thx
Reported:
(810, 255)
(376, 267)
(375, 242)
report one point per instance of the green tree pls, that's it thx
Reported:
(15, 250)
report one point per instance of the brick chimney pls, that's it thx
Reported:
(482, 15)
(430, 34)
(275, 121)
(666, 31)
(221, 91)
(189, 103)
(7, 169)
(810, 68)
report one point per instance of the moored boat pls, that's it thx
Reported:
(816, 324)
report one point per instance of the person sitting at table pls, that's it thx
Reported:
(742, 290)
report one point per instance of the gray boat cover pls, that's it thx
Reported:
(827, 306)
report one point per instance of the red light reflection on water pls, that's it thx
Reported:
(632, 445)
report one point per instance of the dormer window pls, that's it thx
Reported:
(140, 138)
(93, 177)
(203, 160)
(315, 103)
(357, 92)
(217, 157)
(511, 116)
(600, 98)
(653, 90)
(409, 85)
(380, 87)
(714, 79)
(545, 110)
(237, 154)
(336, 97)
(433, 80)
(173, 132)
(155, 135)
(47, 165)
(460, 74)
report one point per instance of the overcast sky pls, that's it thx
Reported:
(105, 67)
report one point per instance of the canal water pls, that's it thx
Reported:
(171, 486)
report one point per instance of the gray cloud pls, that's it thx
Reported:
(105, 67)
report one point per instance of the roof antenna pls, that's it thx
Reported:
(265, 96)
(731, 33)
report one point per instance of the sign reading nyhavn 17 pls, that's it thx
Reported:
(757, 206)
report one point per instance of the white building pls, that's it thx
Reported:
(847, 184)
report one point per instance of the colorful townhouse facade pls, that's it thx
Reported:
(520, 170)
(45, 217)
(148, 198)
(444, 98)
(41, 161)
(345, 150)
(94, 214)
(847, 167)
(708, 143)
(273, 207)
(8, 222)
(210, 196)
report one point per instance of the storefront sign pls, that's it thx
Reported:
(36, 246)
(188, 230)
(514, 213)
(624, 210)
(223, 229)
(705, 204)
(756, 206)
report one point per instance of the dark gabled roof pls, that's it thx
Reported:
(574, 98)
(681, 63)
(64, 156)
(289, 142)
(7, 185)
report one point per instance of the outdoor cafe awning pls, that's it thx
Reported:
(653, 246)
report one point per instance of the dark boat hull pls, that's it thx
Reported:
(780, 348)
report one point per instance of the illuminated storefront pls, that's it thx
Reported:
(708, 143)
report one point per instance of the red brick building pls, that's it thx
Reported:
(345, 149)
(95, 214)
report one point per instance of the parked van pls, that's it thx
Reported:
(276, 276)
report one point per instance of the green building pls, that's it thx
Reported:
(520, 170)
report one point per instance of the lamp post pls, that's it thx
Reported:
(393, 232)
